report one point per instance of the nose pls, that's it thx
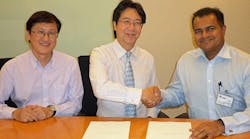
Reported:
(205, 34)
(131, 25)
(46, 36)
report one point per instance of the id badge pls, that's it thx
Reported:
(224, 100)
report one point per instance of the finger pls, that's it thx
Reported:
(157, 91)
(200, 134)
(27, 117)
(31, 115)
(40, 113)
(195, 132)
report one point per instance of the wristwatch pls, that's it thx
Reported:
(52, 108)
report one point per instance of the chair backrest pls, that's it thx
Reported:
(9, 102)
(3, 61)
(89, 106)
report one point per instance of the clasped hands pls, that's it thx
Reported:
(31, 113)
(151, 96)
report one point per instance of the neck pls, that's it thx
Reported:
(43, 59)
(212, 54)
(126, 46)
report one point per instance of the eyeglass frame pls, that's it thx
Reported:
(128, 22)
(42, 33)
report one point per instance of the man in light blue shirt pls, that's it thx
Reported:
(42, 82)
(213, 80)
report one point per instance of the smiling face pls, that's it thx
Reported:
(209, 34)
(128, 28)
(42, 39)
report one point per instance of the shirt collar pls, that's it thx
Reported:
(120, 51)
(224, 53)
(36, 64)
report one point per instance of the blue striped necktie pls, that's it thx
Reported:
(130, 109)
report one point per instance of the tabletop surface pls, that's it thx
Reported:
(75, 127)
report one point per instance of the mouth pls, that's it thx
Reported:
(45, 44)
(206, 40)
(131, 35)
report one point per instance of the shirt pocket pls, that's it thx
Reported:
(233, 90)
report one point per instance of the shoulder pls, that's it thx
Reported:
(106, 48)
(14, 64)
(64, 59)
(19, 59)
(190, 55)
(237, 53)
(104, 52)
(140, 52)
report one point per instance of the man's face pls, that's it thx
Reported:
(208, 34)
(128, 28)
(42, 38)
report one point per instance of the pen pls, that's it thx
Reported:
(219, 85)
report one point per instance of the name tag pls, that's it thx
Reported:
(224, 100)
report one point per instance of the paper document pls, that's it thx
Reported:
(168, 130)
(107, 130)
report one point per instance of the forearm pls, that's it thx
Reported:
(237, 123)
(6, 112)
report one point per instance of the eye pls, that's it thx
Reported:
(40, 32)
(137, 23)
(198, 31)
(126, 22)
(52, 33)
(210, 29)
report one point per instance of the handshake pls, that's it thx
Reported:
(151, 96)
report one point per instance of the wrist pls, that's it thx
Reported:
(221, 125)
(13, 114)
(53, 110)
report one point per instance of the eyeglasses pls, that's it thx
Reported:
(128, 22)
(41, 34)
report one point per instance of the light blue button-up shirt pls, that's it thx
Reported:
(59, 83)
(198, 81)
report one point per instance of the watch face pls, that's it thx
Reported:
(52, 107)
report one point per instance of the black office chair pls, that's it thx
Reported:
(9, 102)
(89, 106)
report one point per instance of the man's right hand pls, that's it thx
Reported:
(151, 96)
(31, 113)
(25, 114)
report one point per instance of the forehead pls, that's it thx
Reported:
(130, 13)
(43, 25)
(205, 21)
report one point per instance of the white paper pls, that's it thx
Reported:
(107, 130)
(168, 130)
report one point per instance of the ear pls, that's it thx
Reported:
(27, 36)
(114, 25)
(224, 29)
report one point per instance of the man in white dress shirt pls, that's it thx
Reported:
(107, 67)
(42, 82)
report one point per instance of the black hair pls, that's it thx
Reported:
(207, 11)
(123, 5)
(42, 17)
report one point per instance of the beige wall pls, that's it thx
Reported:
(87, 24)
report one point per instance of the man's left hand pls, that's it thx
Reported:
(207, 130)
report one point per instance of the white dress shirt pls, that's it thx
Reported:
(107, 79)
(198, 82)
(59, 83)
